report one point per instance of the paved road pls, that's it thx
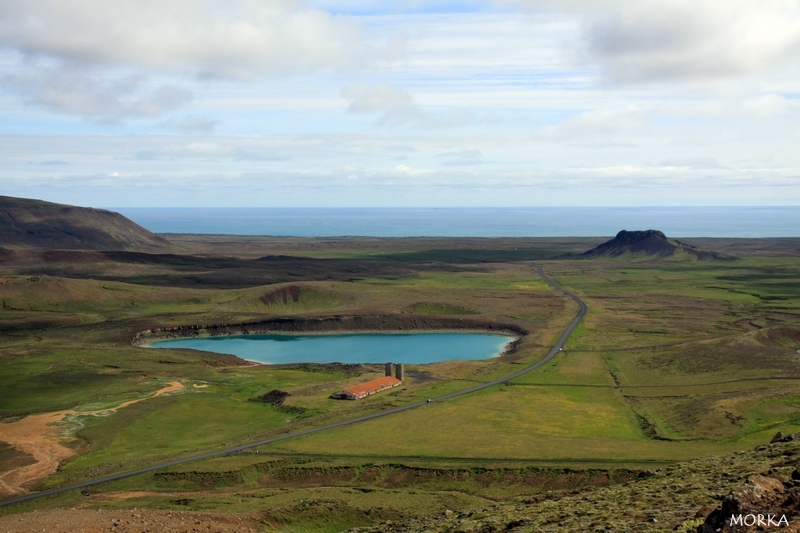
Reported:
(238, 449)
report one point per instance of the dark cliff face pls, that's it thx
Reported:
(38, 224)
(633, 237)
(387, 323)
(649, 242)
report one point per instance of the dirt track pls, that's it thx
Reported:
(38, 436)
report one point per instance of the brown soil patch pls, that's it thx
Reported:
(129, 521)
(747, 325)
(285, 295)
(38, 436)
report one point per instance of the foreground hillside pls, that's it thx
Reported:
(39, 224)
(699, 495)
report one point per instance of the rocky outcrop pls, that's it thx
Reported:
(762, 503)
(649, 243)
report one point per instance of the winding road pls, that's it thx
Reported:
(557, 347)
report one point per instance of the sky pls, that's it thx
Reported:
(345, 103)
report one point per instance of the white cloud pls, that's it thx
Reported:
(400, 149)
(220, 149)
(766, 108)
(239, 39)
(353, 169)
(190, 124)
(462, 157)
(406, 185)
(400, 6)
(691, 162)
(408, 171)
(380, 97)
(601, 127)
(398, 108)
(79, 92)
(100, 59)
(769, 106)
(192, 150)
(521, 121)
(685, 40)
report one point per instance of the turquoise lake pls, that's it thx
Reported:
(409, 348)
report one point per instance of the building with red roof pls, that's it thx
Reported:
(365, 389)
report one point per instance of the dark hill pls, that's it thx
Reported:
(39, 224)
(650, 244)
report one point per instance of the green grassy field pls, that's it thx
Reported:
(674, 360)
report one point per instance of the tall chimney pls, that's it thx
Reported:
(388, 368)
(398, 371)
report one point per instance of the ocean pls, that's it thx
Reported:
(472, 221)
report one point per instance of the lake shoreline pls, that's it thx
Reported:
(339, 325)
(330, 338)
